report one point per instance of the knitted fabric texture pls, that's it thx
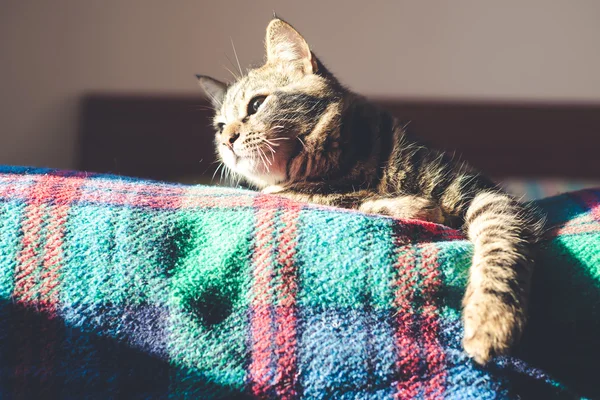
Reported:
(122, 288)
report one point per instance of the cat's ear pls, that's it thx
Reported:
(285, 44)
(214, 89)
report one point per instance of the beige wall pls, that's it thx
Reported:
(54, 51)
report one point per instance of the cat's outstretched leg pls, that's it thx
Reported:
(495, 302)
(407, 207)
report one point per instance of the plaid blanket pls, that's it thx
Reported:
(121, 288)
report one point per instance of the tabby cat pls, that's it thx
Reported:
(290, 128)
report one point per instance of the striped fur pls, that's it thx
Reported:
(313, 140)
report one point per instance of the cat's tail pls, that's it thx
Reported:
(503, 232)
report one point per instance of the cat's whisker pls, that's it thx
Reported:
(225, 175)
(228, 175)
(268, 141)
(231, 62)
(272, 152)
(262, 159)
(234, 179)
(269, 146)
(220, 166)
(231, 72)
(263, 156)
(273, 140)
(236, 57)
(203, 108)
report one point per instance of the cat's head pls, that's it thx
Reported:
(264, 119)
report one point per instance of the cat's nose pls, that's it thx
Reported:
(230, 138)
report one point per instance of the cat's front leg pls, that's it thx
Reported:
(495, 303)
(407, 207)
(327, 194)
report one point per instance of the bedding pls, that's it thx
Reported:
(115, 287)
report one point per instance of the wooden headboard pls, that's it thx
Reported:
(169, 137)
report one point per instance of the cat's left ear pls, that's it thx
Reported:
(214, 89)
(285, 44)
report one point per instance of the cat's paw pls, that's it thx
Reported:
(273, 189)
(407, 207)
(491, 326)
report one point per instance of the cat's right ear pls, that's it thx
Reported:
(214, 89)
(285, 44)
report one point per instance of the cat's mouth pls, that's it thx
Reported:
(261, 161)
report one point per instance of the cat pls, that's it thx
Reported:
(290, 128)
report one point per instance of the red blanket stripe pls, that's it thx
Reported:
(27, 263)
(36, 283)
(435, 356)
(261, 373)
(64, 196)
(29, 270)
(286, 310)
(406, 344)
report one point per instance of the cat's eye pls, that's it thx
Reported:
(255, 103)
(220, 126)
